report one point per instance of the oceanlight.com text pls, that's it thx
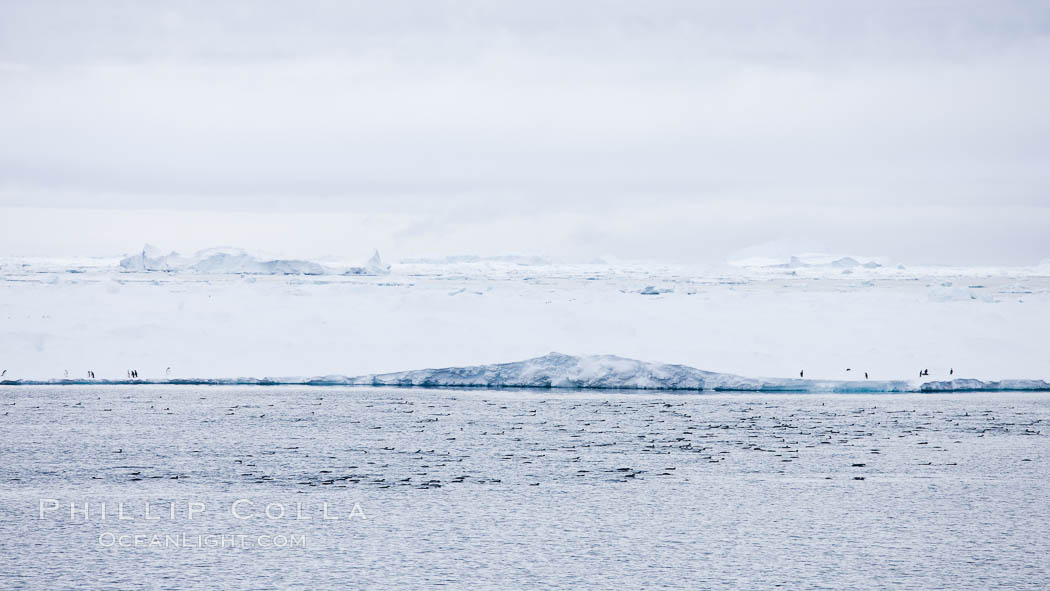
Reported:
(193, 541)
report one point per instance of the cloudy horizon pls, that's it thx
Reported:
(677, 131)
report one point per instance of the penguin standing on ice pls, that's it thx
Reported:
(951, 371)
(865, 375)
(800, 374)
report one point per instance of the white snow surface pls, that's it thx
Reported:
(65, 317)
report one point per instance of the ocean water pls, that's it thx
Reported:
(421, 488)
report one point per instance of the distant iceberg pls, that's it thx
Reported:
(374, 266)
(777, 255)
(234, 261)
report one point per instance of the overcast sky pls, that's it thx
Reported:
(681, 131)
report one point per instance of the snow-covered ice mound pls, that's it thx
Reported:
(234, 261)
(558, 370)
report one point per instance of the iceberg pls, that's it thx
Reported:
(226, 263)
(374, 266)
(773, 255)
(234, 261)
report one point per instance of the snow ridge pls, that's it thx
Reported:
(558, 370)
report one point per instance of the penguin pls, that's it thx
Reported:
(865, 375)
(951, 371)
(801, 373)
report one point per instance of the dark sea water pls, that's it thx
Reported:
(509, 489)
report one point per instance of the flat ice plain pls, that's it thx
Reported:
(522, 487)
(758, 319)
